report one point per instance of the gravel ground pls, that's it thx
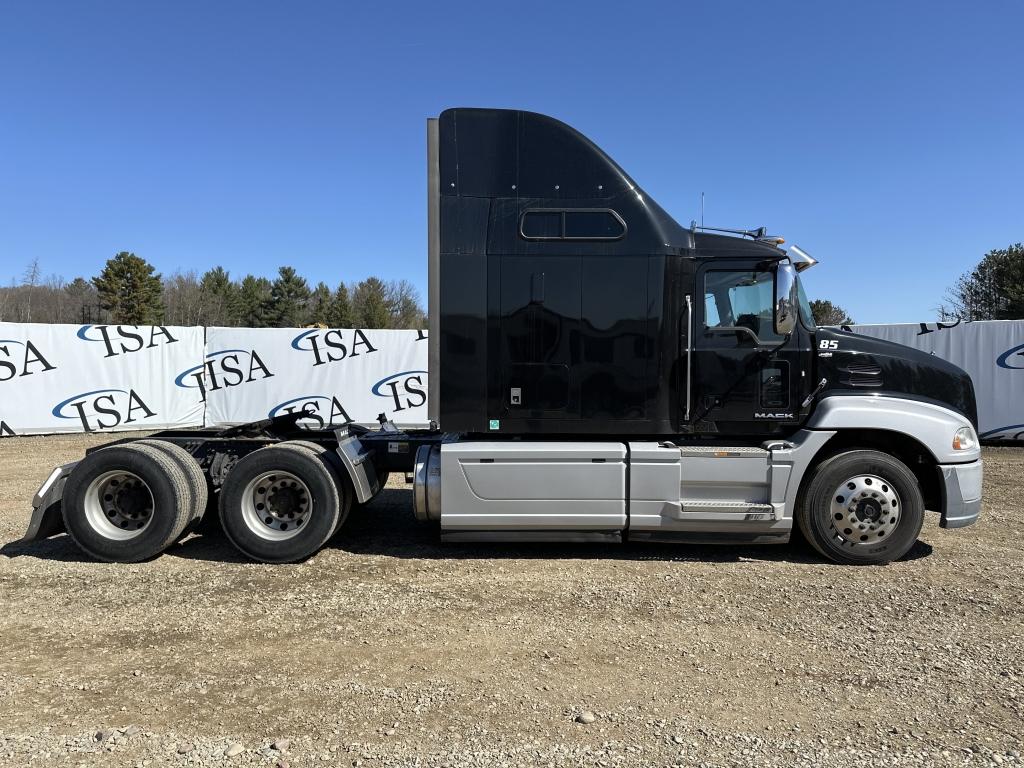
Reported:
(389, 648)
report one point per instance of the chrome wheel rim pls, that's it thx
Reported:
(118, 505)
(276, 505)
(865, 511)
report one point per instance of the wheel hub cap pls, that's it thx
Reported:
(118, 505)
(865, 510)
(276, 505)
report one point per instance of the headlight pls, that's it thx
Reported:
(964, 439)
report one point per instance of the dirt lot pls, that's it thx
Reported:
(389, 648)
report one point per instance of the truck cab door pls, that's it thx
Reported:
(746, 376)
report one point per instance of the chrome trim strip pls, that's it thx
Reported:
(689, 352)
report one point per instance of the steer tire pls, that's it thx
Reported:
(333, 462)
(103, 527)
(198, 486)
(280, 504)
(861, 508)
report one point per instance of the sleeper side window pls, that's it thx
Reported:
(571, 224)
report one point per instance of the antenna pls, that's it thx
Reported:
(702, 210)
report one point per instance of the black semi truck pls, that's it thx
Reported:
(597, 372)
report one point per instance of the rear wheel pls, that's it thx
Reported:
(198, 487)
(333, 463)
(382, 480)
(280, 504)
(126, 503)
(862, 508)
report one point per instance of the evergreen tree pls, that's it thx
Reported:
(254, 302)
(220, 299)
(370, 305)
(289, 296)
(340, 315)
(993, 290)
(827, 313)
(319, 311)
(130, 291)
(83, 302)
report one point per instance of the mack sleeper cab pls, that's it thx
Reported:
(597, 372)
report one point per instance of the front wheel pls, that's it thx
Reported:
(862, 508)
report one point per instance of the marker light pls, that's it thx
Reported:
(964, 439)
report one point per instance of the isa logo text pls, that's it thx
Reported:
(224, 369)
(332, 345)
(406, 389)
(125, 339)
(319, 411)
(21, 358)
(104, 409)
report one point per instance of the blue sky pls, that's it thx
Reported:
(884, 138)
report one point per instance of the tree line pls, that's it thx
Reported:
(129, 291)
(993, 290)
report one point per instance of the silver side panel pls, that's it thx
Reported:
(433, 273)
(791, 460)
(527, 486)
(933, 425)
(697, 489)
(547, 537)
(740, 491)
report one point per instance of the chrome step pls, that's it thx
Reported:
(722, 451)
(735, 511)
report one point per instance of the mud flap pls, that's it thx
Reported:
(358, 462)
(47, 518)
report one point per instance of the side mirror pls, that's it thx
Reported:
(786, 298)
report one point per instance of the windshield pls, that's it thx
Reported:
(805, 308)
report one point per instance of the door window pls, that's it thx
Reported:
(740, 299)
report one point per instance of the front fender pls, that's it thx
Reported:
(932, 425)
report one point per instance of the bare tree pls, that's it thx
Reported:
(32, 273)
(183, 299)
(404, 305)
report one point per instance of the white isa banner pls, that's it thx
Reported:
(991, 351)
(95, 378)
(333, 375)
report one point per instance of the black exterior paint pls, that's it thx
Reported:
(866, 365)
(593, 333)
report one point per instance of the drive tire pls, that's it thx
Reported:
(280, 504)
(200, 490)
(333, 462)
(105, 528)
(382, 481)
(861, 508)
